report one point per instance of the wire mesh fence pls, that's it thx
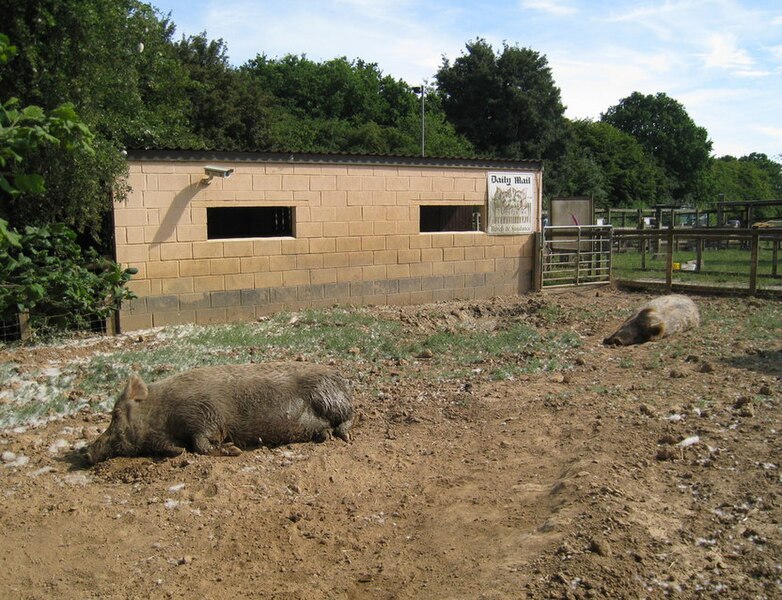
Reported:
(26, 327)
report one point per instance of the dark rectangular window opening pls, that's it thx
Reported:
(249, 222)
(451, 218)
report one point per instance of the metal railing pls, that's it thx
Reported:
(574, 255)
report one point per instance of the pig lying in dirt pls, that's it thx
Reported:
(655, 320)
(223, 409)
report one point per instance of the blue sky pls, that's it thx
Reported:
(722, 59)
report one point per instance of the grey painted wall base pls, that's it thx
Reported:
(242, 305)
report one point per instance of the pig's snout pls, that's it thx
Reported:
(100, 449)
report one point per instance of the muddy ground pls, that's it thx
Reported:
(643, 472)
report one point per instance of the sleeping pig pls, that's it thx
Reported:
(655, 320)
(223, 409)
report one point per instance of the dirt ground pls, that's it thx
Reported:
(650, 471)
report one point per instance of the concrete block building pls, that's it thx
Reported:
(218, 237)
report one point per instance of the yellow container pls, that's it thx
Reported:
(677, 266)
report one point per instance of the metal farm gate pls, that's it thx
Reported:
(571, 255)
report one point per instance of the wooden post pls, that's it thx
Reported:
(774, 257)
(642, 244)
(673, 224)
(610, 254)
(537, 283)
(753, 266)
(669, 261)
(112, 323)
(640, 228)
(25, 331)
(578, 255)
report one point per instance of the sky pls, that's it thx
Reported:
(721, 59)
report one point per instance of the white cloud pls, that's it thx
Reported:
(660, 19)
(776, 52)
(723, 52)
(773, 132)
(591, 85)
(553, 7)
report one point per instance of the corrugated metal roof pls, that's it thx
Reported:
(330, 159)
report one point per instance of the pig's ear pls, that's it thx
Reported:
(135, 389)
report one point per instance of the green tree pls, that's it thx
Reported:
(632, 177)
(668, 134)
(217, 103)
(752, 177)
(43, 269)
(114, 61)
(345, 106)
(22, 131)
(506, 104)
(576, 173)
(773, 174)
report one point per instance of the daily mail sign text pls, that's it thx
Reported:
(512, 203)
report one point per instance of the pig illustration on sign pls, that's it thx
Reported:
(655, 320)
(224, 409)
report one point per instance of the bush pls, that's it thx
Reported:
(47, 274)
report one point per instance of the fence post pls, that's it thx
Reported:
(537, 285)
(610, 254)
(753, 266)
(112, 323)
(669, 260)
(774, 257)
(25, 331)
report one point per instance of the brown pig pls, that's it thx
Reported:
(655, 320)
(223, 409)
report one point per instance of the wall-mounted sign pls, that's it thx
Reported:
(513, 201)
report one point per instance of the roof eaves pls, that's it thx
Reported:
(175, 155)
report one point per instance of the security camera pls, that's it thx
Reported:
(213, 171)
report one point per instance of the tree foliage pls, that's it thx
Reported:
(602, 162)
(47, 274)
(113, 61)
(631, 177)
(43, 270)
(668, 134)
(347, 106)
(223, 109)
(749, 178)
(506, 104)
(23, 131)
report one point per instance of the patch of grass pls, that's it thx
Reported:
(655, 362)
(551, 313)
(506, 372)
(519, 349)
(730, 265)
(765, 323)
(757, 320)
(336, 332)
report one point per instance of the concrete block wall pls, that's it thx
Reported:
(356, 241)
